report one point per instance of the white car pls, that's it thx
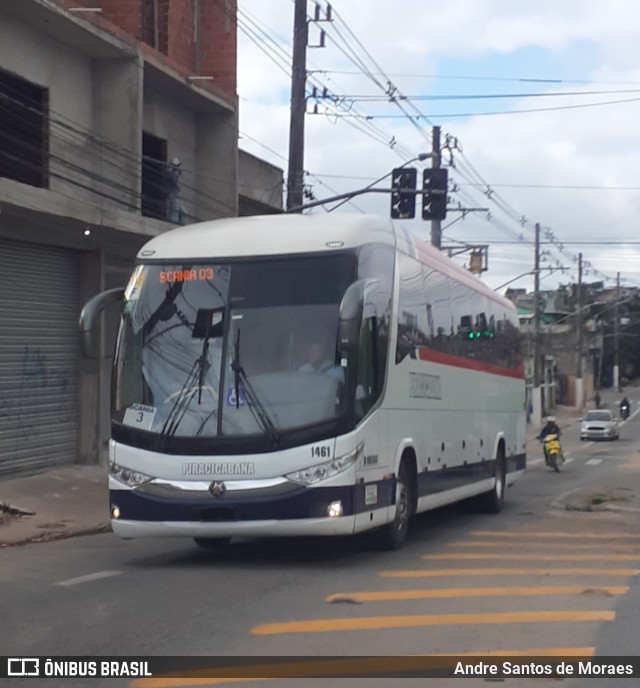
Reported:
(599, 424)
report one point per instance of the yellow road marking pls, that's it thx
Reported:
(537, 652)
(632, 463)
(371, 623)
(446, 593)
(523, 535)
(436, 573)
(532, 557)
(548, 545)
(347, 666)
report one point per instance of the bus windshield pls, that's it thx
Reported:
(244, 348)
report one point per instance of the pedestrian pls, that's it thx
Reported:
(597, 400)
(175, 209)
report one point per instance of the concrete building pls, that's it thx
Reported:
(558, 349)
(97, 97)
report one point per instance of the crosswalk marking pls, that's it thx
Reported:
(530, 557)
(600, 546)
(448, 593)
(421, 620)
(524, 535)
(573, 555)
(438, 573)
(593, 462)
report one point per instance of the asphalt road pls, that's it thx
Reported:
(536, 578)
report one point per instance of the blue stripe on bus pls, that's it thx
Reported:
(300, 504)
(443, 479)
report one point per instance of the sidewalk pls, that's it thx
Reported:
(57, 504)
(73, 500)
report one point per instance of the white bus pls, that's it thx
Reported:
(307, 375)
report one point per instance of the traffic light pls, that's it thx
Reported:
(403, 197)
(434, 193)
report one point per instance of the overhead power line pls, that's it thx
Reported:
(486, 96)
(462, 77)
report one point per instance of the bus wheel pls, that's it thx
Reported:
(493, 500)
(394, 534)
(212, 543)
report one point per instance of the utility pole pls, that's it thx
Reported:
(436, 225)
(579, 382)
(298, 106)
(616, 340)
(536, 400)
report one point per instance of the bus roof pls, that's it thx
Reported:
(267, 235)
(282, 234)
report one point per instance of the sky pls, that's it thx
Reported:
(538, 100)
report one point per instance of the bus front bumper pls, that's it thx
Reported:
(293, 510)
(343, 525)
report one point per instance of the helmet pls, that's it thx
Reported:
(175, 162)
(551, 419)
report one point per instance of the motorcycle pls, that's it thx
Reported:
(624, 411)
(553, 451)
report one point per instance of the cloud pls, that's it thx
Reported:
(597, 43)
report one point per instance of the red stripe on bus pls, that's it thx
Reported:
(425, 354)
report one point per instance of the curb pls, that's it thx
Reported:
(50, 536)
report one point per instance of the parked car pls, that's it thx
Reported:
(599, 424)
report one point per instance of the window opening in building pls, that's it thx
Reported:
(155, 24)
(24, 130)
(154, 172)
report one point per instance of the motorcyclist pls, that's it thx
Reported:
(550, 428)
(624, 407)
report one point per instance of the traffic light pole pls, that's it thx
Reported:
(344, 196)
(436, 225)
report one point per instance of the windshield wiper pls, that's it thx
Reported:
(256, 407)
(188, 390)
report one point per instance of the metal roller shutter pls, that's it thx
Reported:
(39, 307)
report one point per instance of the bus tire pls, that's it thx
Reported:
(493, 500)
(394, 534)
(212, 543)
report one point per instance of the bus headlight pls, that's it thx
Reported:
(335, 510)
(128, 477)
(322, 471)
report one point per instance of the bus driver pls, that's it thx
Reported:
(320, 361)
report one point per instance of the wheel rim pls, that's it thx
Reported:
(402, 506)
(499, 483)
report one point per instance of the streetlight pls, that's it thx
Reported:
(524, 274)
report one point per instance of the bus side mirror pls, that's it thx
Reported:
(351, 311)
(350, 314)
(89, 315)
